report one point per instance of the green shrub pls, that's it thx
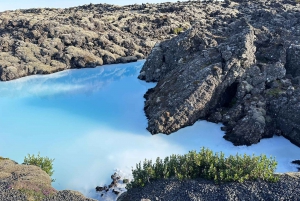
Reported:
(205, 164)
(44, 163)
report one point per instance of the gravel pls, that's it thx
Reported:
(287, 188)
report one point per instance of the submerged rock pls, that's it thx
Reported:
(237, 65)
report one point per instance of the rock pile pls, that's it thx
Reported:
(238, 65)
(114, 189)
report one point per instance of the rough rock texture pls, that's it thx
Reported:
(28, 182)
(43, 41)
(191, 190)
(67, 195)
(239, 65)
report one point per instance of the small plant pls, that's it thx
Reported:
(177, 30)
(205, 164)
(44, 163)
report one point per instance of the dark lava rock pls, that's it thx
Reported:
(68, 195)
(238, 65)
(287, 188)
(43, 41)
(297, 162)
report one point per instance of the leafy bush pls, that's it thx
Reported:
(44, 163)
(205, 164)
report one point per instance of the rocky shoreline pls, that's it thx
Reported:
(238, 65)
(287, 188)
(27, 182)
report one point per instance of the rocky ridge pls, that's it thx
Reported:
(238, 65)
(43, 41)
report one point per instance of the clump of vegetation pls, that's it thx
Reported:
(274, 92)
(177, 30)
(205, 164)
(1, 158)
(44, 163)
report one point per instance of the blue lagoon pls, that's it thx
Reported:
(92, 122)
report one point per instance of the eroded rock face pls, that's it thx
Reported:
(237, 65)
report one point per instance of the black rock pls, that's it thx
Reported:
(230, 67)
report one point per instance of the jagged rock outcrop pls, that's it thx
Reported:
(238, 65)
(28, 182)
(43, 41)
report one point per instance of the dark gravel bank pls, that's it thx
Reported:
(288, 188)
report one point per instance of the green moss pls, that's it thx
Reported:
(196, 82)
(177, 30)
(274, 92)
(32, 195)
(36, 195)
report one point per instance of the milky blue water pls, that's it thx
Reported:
(92, 122)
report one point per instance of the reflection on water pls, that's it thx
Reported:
(92, 122)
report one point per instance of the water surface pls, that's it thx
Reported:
(92, 122)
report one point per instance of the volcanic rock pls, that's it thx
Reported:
(238, 65)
